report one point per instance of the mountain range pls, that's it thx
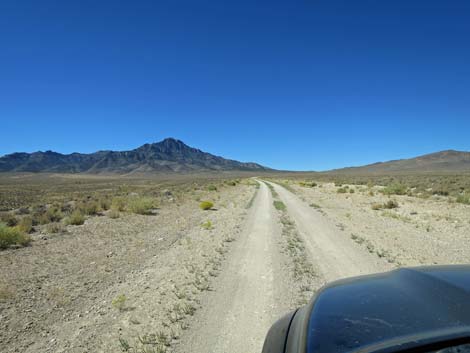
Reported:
(174, 156)
(169, 155)
(438, 162)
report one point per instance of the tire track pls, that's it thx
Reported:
(250, 293)
(335, 255)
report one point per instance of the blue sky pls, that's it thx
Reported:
(303, 85)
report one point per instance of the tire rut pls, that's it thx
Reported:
(250, 293)
(335, 255)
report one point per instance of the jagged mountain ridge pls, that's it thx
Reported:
(169, 155)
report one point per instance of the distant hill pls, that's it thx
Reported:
(439, 162)
(169, 155)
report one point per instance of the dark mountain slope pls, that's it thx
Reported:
(169, 155)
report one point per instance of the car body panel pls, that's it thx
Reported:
(395, 311)
(363, 311)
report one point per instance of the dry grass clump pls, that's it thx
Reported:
(206, 205)
(90, 207)
(395, 189)
(25, 225)
(104, 203)
(377, 206)
(76, 218)
(118, 203)
(141, 205)
(207, 225)
(308, 184)
(54, 213)
(8, 219)
(465, 199)
(12, 236)
(55, 228)
(113, 214)
(45, 215)
(212, 188)
(119, 302)
(390, 204)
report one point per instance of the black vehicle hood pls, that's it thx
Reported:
(351, 314)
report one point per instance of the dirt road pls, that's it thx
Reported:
(251, 292)
(331, 250)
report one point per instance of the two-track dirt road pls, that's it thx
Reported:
(254, 287)
(332, 251)
(250, 292)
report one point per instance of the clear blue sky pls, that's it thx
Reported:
(292, 85)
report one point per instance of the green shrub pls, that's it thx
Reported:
(54, 228)
(67, 207)
(9, 219)
(395, 189)
(76, 218)
(342, 190)
(54, 214)
(104, 204)
(279, 205)
(352, 191)
(212, 188)
(89, 208)
(119, 302)
(119, 203)
(25, 225)
(40, 218)
(206, 205)
(141, 205)
(465, 199)
(48, 215)
(12, 236)
(207, 225)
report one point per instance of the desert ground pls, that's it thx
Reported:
(150, 270)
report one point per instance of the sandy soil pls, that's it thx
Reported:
(418, 232)
(57, 295)
(333, 253)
